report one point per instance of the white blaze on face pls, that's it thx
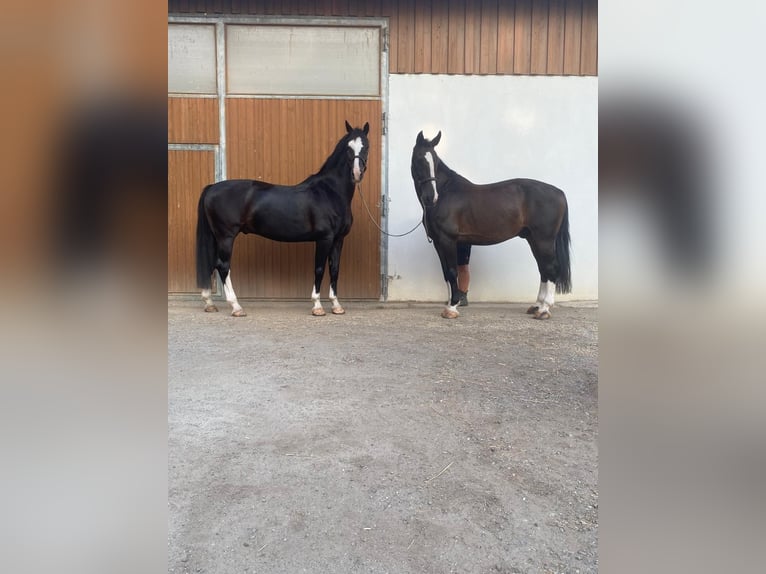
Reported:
(356, 145)
(430, 162)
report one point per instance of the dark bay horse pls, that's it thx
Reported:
(317, 209)
(458, 211)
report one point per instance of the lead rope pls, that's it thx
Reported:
(364, 201)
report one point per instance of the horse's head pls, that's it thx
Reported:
(358, 148)
(423, 167)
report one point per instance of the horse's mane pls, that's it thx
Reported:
(452, 175)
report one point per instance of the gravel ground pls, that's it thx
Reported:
(385, 440)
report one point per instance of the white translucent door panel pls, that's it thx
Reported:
(303, 60)
(191, 59)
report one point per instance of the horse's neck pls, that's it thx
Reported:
(346, 189)
(343, 186)
(449, 176)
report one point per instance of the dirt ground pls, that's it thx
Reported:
(385, 440)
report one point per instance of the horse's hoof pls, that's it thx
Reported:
(318, 312)
(532, 310)
(543, 315)
(239, 313)
(211, 309)
(450, 314)
(338, 311)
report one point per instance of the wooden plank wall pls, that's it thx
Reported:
(488, 37)
(188, 173)
(193, 120)
(267, 140)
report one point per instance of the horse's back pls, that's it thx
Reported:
(534, 188)
(230, 190)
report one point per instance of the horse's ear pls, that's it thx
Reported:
(349, 129)
(420, 140)
(366, 128)
(435, 141)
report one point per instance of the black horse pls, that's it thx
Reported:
(317, 209)
(458, 211)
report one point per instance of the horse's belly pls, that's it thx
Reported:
(280, 234)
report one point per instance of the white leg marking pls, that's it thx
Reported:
(430, 161)
(315, 298)
(541, 293)
(231, 297)
(334, 298)
(206, 297)
(356, 145)
(547, 302)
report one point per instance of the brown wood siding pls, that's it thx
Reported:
(539, 48)
(556, 37)
(546, 37)
(284, 141)
(572, 37)
(488, 36)
(522, 46)
(505, 33)
(456, 37)
(193, 120)
(188, 173)
(422, 37)
(589, 44)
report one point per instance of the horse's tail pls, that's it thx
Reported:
(206, 246)
(564, 280)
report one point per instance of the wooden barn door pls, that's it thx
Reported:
(289, 92)
(283, 91)
(283, 141)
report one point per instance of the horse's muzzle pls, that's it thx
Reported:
(435, 198)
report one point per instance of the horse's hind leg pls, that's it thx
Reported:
(224, 270)
(207, 297)
(545, 255)
(543, 288)
(320, 261)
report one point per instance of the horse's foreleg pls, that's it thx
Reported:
(447, 251)
(335, 251)
(320, 260)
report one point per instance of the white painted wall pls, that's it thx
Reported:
(494, 128)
